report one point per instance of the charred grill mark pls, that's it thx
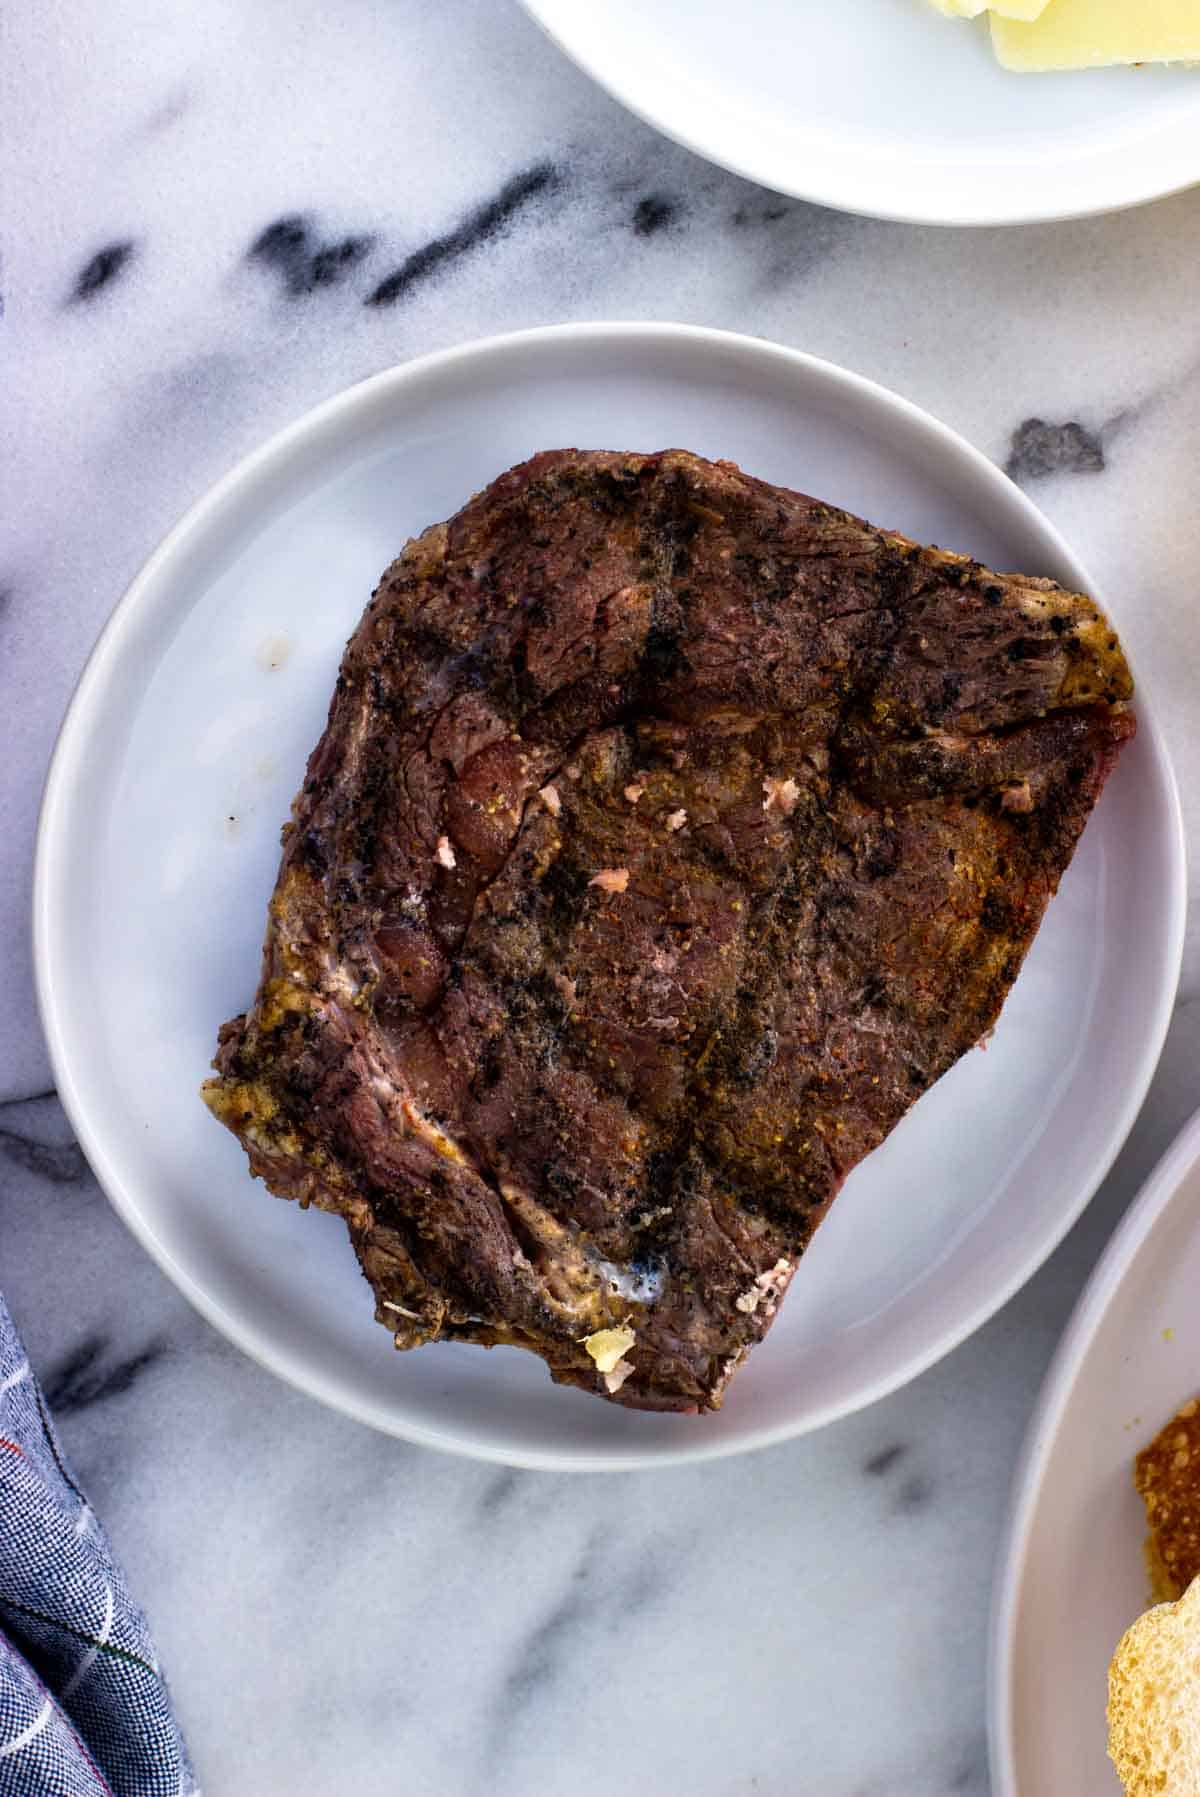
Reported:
(883, 856)
(874, 993)
(994, 913)
(663, 654)
(313, 853)
(613, 493)
(565, 885)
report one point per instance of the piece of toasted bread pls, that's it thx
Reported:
(1167, 1474)
(1154, 1701)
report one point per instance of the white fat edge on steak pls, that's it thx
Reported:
(599, 1278)
(338, 982)
(767, 1290)
(642, 1287)
(608, 1348)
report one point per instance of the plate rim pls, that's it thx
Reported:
(824, 189)
(1154, 1200)
(71, 743)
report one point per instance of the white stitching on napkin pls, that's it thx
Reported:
(89, 1659)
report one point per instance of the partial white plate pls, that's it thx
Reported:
(1073, 1577)
(886, 107)
(159, 842)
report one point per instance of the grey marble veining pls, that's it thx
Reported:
(214, 215)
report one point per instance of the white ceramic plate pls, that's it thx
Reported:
(159, 842)
(886, 107)
(1073, 1575)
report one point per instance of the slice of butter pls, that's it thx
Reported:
(1094, 34)
(1005, 9)
(606, 1347)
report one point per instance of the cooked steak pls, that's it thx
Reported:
(671, 833)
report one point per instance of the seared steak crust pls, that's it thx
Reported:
(670, 835)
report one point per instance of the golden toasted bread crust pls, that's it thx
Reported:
(1154, 1701)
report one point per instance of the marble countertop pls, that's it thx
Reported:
(217, 214)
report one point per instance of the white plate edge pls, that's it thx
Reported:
(853, 201)
(1152, 1203)
(107, 648)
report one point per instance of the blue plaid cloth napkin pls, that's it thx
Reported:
(84, 1709)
